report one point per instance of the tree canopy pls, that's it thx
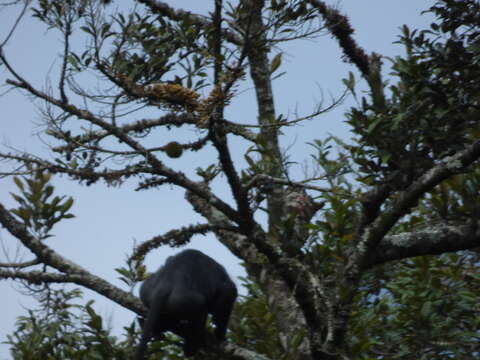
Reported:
(371, 254)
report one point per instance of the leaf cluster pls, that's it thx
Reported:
(252, 325)
(425, 306)
(37, 209)
(60, 328)
(433, 108)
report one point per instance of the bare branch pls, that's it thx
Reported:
(20, 265)
(17, 21)
(88, 174)
(70, 270)
(170, 119)
(39, 277)
(66, 49)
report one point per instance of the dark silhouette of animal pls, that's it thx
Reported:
(179, 297)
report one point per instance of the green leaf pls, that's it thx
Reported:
(105, 29)
(22, 213)
(18, 182)
(86, 29)
(350, 83)
(373, 124)
(123, 271)
(48, 192)
(18, 199)
(66, 205)
(276, 62)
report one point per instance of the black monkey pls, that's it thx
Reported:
(179, 297)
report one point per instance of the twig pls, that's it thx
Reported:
(12, 30)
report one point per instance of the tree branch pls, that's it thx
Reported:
(20, 265)
(163, 9)
(257, 52)
(40, 277)
(236, 352)
(407, 199)
(288, 283)
(69, 269)
(339, 26)
(67, 18)
(434, 240)
(158, 167)
(87, 174)
(217, 132)
(171, 119)
(263, 179)
(371, 204)
(17, 21)
(175, 238)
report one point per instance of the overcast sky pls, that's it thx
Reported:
(108, 220)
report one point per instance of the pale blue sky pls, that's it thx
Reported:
(108, 220)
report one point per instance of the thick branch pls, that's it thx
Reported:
(39, 277)
(371, 204)
(407, 199)
(434, 240)
(257, 52)
(78, 274)
(287, 283)
(218, 134)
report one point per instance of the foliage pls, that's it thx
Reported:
(60, 328)
(38, 211)
(253, 325)
(426, 306)
(63, 328)
(433, 107)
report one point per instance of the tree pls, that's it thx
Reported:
(383, 232)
